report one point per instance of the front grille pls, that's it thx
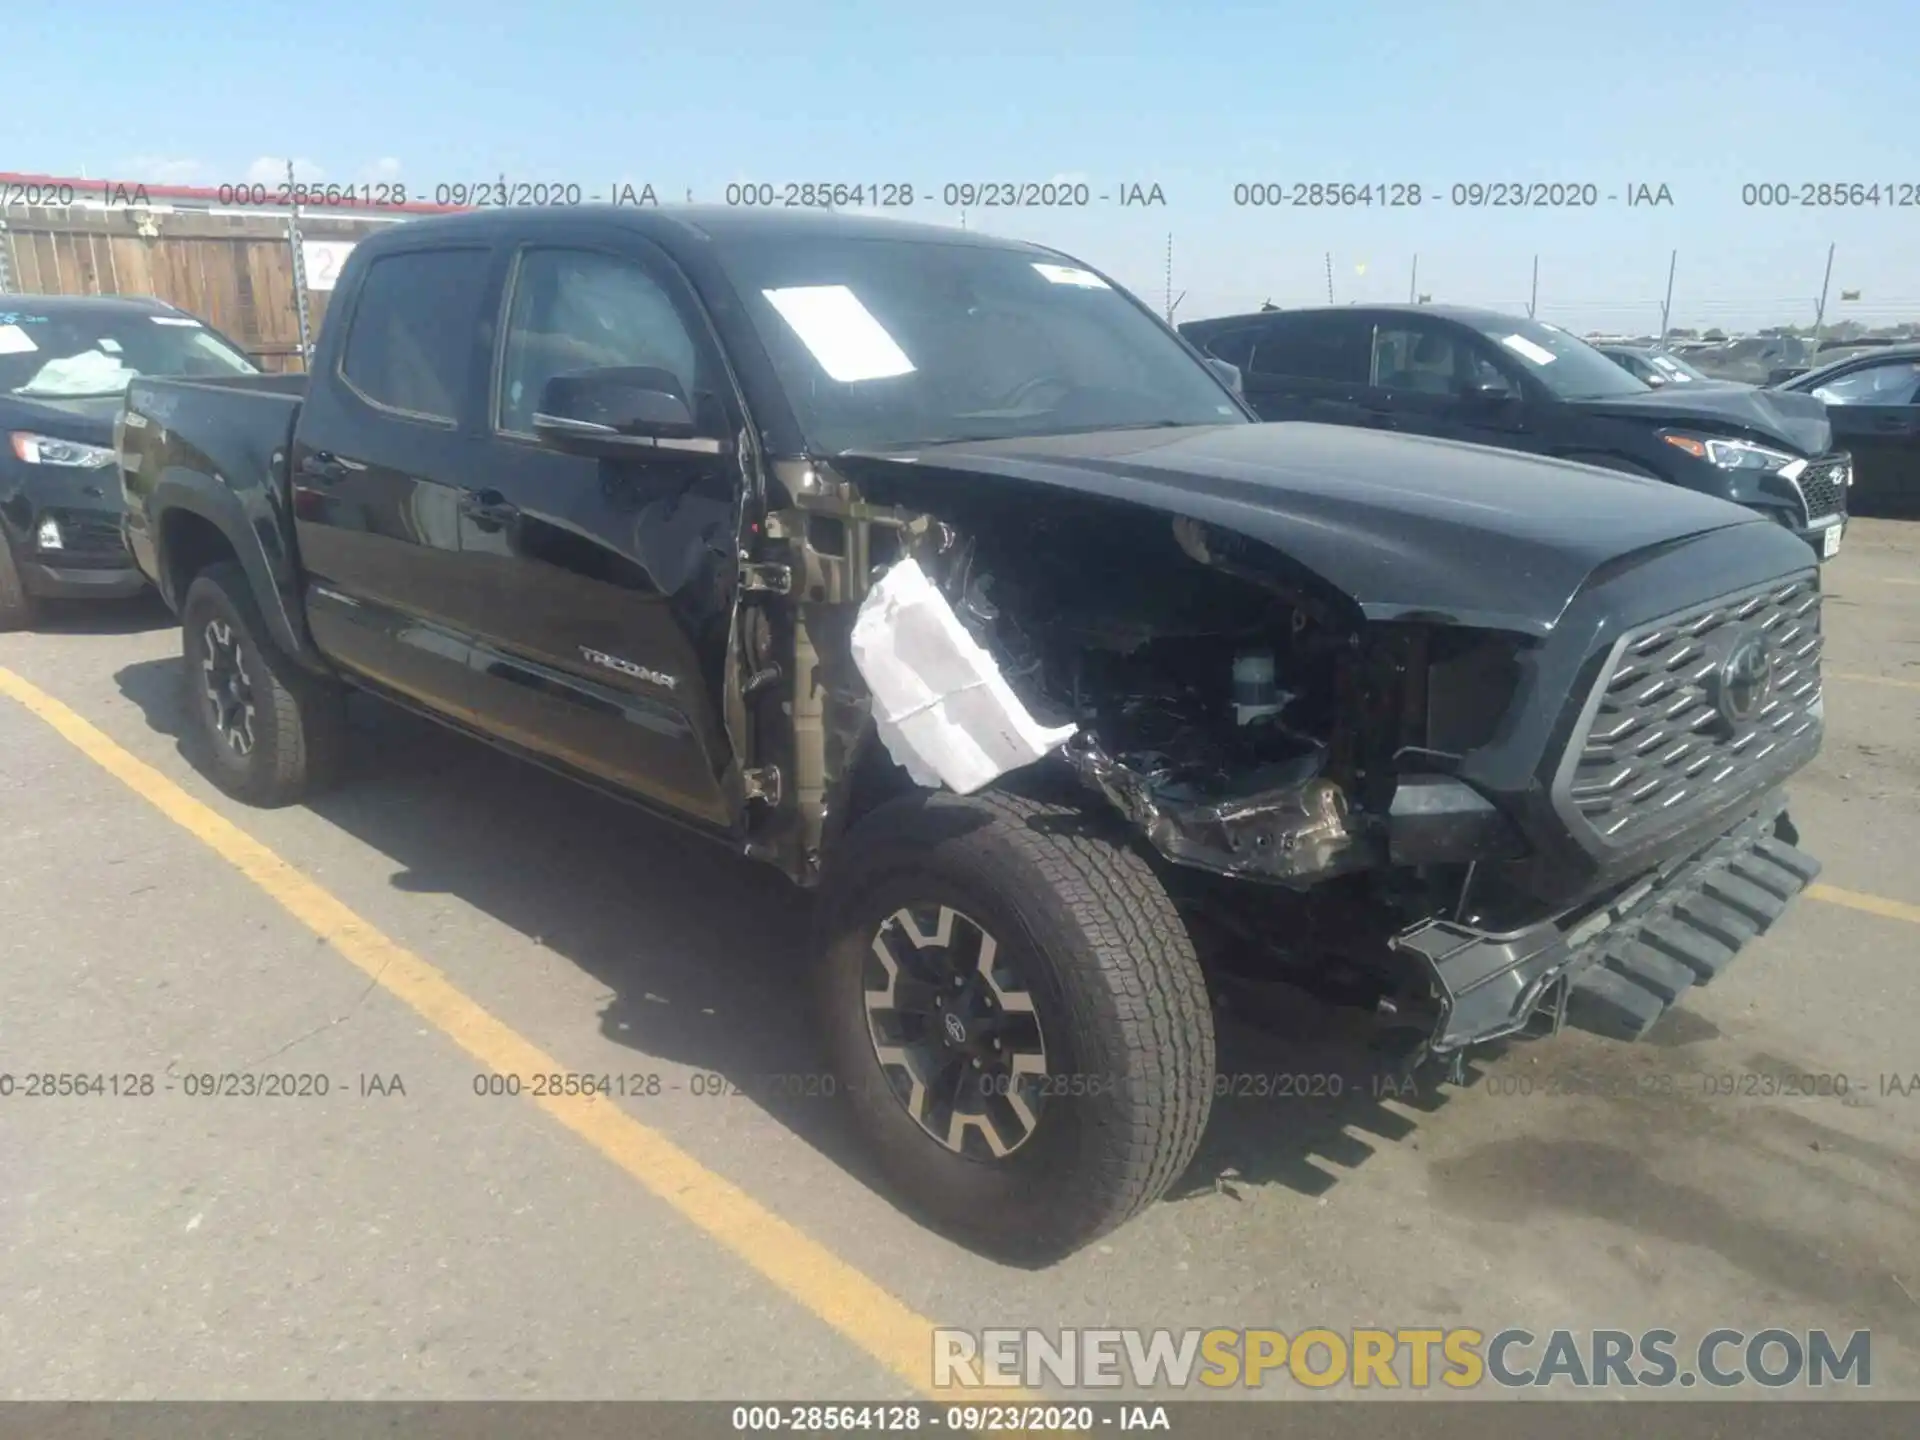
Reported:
(1657, 747)
(1824, 486)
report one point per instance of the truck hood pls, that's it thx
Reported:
(1795, 422)
(1408, 527)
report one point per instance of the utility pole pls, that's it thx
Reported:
(299, 271)
(1413, 282)
(1666, 306)
(1533, 298)
(1329, 277)
(1169, 277)
(1820, 314)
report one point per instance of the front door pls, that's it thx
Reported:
(601, 590)
(1437, 379)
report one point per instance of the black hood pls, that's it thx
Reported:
(87, 419)
(1408, 527)
(1797, 423)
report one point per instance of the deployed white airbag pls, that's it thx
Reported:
(940, 704)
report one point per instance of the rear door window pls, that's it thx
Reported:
(410, 343)
(1313, 345)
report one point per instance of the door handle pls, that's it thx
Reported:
(327, 468)
(1893, 424)
(488, 509)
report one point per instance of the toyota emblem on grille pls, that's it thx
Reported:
(1743, 680)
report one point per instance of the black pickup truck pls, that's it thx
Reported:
(938, 572)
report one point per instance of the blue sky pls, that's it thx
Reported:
(1701, 95)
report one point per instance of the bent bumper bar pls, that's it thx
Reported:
(1617, 969)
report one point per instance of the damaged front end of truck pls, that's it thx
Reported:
(1353, 795)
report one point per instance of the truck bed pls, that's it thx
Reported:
(227, 440)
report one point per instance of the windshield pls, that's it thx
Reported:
(1564, 363)
(885, 343)
(77, 355)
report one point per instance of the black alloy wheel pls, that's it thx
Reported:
(226, 686)
(955, 1031)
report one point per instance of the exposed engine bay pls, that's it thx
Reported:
(1186, 726)
(1235, 716)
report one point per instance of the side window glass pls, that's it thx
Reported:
(1234, 346)
(576, 310)
(1478, 373)
(1313, 346)
(1416, 358)
(413, 330)
(1891, 384)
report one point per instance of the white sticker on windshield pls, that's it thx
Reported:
(1072, 275)
(15, 341)
(108, 344)
(174, 320)
(1520, 345)
(841, 332)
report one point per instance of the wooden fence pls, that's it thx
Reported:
(233, 271)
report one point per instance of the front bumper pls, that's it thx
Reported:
(91, 563)
(1825, 536)
(1615, 967)
(67, 582)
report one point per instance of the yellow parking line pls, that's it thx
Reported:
(870, 1317)
(1873, 679)
(1872, 904)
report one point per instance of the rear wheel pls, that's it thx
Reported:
(1015, 1015)
(266, 731)
(18, 609)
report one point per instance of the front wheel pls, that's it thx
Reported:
(1013, 1009)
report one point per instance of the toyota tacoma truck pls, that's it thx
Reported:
(936, 571)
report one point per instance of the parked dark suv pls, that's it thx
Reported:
(65, 363)
(1873, 397)
(1493, 379)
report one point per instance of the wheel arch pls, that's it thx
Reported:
(197, 523)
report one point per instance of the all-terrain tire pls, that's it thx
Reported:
(1113, 979)
(18, 609)
(298, 720)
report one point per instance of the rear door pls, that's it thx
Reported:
(1311, 365)
(601, 591)
(1875, 412)
(383, 447)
